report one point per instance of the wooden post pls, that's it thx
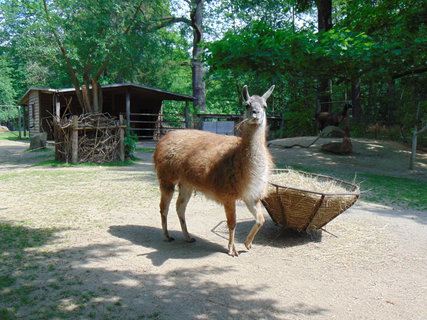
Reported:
(282, 126)
(75, 141)
(56, 121)
(57, 109)
(19, 121)
(128, 107)
(122, 139)
(187, 116)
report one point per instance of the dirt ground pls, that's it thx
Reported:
(108, 244)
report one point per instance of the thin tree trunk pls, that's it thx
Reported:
(86, 99)
(355, 101)
(415, 134)
(414, 148)
(324, 23)
(198, 71)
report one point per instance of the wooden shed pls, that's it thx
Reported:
(140, 105)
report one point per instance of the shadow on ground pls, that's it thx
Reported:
(150, 237)
(270, 234)
(66, 284)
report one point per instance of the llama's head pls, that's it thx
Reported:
(256, 106)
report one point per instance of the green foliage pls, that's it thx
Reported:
(7, 92)
(380, 44)
(8, 114)
(130, 143)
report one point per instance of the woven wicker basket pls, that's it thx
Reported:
(304, 209)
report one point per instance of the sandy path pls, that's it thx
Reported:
(110, 242)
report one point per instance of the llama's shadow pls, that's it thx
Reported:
(270, 234)
(152, 238)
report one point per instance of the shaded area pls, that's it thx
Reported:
(73, 284)
(150, 237)
(270, 234)
(369, 156)
(19, 265)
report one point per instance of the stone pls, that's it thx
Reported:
(38, 141)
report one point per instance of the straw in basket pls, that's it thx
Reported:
(304, 209)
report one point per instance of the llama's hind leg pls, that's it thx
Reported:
(181, 204)
(165, 200)
(230, 212)
(256, 210)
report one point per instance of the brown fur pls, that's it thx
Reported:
(224, 168)
(325, 119)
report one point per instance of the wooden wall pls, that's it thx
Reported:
(34, 112)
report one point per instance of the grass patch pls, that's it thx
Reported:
(394, 190)
(145, 149)
(402, 192)
(14, 136)
(59, 164)
(14, 237)
(17, 292)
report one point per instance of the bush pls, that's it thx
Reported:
(130, 143)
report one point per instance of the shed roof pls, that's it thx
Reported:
(152, 93)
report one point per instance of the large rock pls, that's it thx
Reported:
(3, 129)
(38, 141)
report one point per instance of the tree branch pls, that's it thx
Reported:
(167, 21)
(71, 70)
(409, 72)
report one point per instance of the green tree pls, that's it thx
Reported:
(88, 35)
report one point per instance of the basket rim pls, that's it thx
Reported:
(355, 192)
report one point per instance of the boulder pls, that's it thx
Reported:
(38, 141)
(3, 129)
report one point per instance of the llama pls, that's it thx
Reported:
(223, 168)
(325, 119)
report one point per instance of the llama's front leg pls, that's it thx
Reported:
(165, 200)
(181, 205)
(230, 212)
(256, 210)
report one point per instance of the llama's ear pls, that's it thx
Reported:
(245, 93)
(266, 95)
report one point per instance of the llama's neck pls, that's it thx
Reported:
(253, 139)
(256, 160)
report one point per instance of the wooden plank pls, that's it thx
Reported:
(75, 141)
(128, 107)
(122, 139)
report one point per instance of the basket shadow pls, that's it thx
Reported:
(270, 234)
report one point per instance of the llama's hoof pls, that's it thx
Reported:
(190, 240)
(248, 245)
(233, 252)
(169, 239)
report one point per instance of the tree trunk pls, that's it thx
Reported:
(87, 106)
(324, 23)
(198, 71)
(324, 14)
(355, 101)
(96, 96)
(414, 148)
(415, 134)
